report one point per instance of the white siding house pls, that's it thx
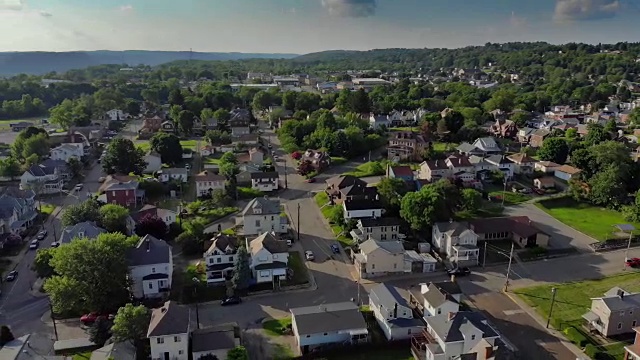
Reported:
(264, 181)
(379, 258)
(393, 313)
(566, 172)
(207, 182)
(150, 268)
(457, 241)
(362, 208)
(66, 152)
(220, 258)
(269, 258)
(262, 215)
(168, 332)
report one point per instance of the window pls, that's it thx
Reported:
(273, 218)
(619, 326)
(218, 260)
(150, 285)
(473, 337)
(373, 266)
(230, 258)
(177, 339)
(395, 266)
(308, 336)
(179, 352)
(633, 324)
(210, 260)
(160, 340)
(258, 223)
(153, 270)
(325, 334)
(409, 332)
(439, 311)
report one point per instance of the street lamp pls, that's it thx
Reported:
(553, 300)
(196, 283)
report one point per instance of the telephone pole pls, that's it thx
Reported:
(553, 300)
(55, 328)
(506, 283)
(484, 258)
(298, 223)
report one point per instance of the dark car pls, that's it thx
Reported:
(12, 275)
(232, 300)
(335, 248)
(464, 271)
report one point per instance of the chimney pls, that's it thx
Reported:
(395, 311)
(621, 294)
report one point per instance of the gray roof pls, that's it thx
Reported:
(499, 159)
(615, 302)
(85, 229)
(149, 251)
(388, 296)
(269, 242)
(221, 337)
(264, 175)
(487, 144)
(129, 185)
(174, 171)
(451, 330)
(328, 318)
(465, 147)
(393, 247)
(118, 350)
(452, 228)
(436, 296)
(170, 319)
(268, 206)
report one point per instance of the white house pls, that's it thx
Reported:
(546, 166)
(207, 182)
(262, 215)
(220, 258)
(116, 115)
(168, 332)
(379, 258)
(362, 208)
(68, 151)
(437, 298)
(265, 181)
(502, 163)
(458, 241)
(566, 172)
(150, 268)
(523, 163)
(393, 313)
(42, 179)
(177, 174)
(269, 258)
(378, 121)
(154, 163)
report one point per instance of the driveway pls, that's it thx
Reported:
(562, 236)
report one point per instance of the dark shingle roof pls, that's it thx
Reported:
(268, 206)
(149, 251)
(219, 337)
(328, 318)
(85, 229)
(362, 204)
(170, 319)
(449, 330)
(264, 175)
(384, 221)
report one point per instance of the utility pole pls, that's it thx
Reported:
(286, 185)
(504, 192)
(298, 223)
(55, 328)
(553, 300)
(626, 253)
(506, 283)
(358, 282)
(196, 283)
(484, 257)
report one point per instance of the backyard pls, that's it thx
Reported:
(186, 144)
(371, 168)
(574, 299)
(594, 221)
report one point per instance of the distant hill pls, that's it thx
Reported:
(12, 63)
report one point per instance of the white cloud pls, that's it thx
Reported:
(350, 8)
(580, 10)
(126, 8)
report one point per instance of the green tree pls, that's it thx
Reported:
(88, 210)
(608, 187)
(222, 115)
(391, 192)
(632, 212)
(238, 353)
(131, 323)
(75, 168)
(123, 157)
(37, 144)
(554, 149)
(168, 146)
(521, 118)
(421, 209)
(217, 137)
(132, 107)
(42, 263)
(261, 101)
(113, 218)
(176, 97)
(596, 134)
(151, 225)
(241, 270)
(185, 122)
(360, 102)
(100, 331)
(62, 114)
(289, 100)
(611, 126)
(10, 168)
(471, 200)
(634, 117)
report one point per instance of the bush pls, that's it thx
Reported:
(576, 337)
(591, 351)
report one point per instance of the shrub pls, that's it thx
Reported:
(591, 351)
(576, 337)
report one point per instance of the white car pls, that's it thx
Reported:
(78, 187)
(34, 244)
(309, 255)
(289, 243)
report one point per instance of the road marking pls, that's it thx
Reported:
(513, 312)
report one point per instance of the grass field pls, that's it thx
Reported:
(186, 144)
(4, 124)
(574, 299)
(441, 147)
(372, 168)
(593, 221)
(47, 208)
(276, 327)
(82, 356)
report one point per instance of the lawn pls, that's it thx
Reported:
(510, 198)
(299, 269)
(277, 327)
(337, 160)
(211, 160)
(4, 124)
(249, 193)
(82, 356)
(444, 147)
(371, 168)
(591, 220)
(574, 299)
(186, 144)
(328, 211)
(47, 208)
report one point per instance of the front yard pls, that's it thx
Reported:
(296, 264)
(371, 168)
(574, 299)
(594, 221)
(186, 144)
(331, 213)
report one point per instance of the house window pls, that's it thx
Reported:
(395, 266)
(179, 352)
(150, 285)
(308, 336)
(633, 324)
(325, 334)
(473, 337)
(218, 260)
(160, 340)
(439, 311)
(113, 193)
(373, 266)
(153, 270)
(258, 223)
(409, 332)
(230, 258)
(176, 339)
(619, 326)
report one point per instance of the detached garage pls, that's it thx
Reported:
(566, 172)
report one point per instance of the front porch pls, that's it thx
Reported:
(217, 274)
(465, 254)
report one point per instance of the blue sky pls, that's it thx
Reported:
(302, 26)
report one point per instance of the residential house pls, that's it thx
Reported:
(566, 172)
(393, 313)
(243, 178)
(150, 268)
(154, 162)
(19, 126)
(116, 115)
(615, 313)
(168, 127)
(256, 156)
(417, 263)
(67, 151)
(524, 135)
(379, 258)
(84, 230)
(265, 181)
(123, 350)
(482, 147)
(114, 179)
(239, 122)
(362, 208)
(457, 241)
(523, 164)
(17, 210)
(46, 178)
(502, 163)
(169, 331)
(245, 141)
(320, 160)
(210, 123)
(537, 137)
(544, 183)
(126, 194)
(214, 341)
(168, 216)
(262, 215)
(460, 335)
(400, 172)
(269, 258)
(504, 128)
(382, 228)
(460, 167)
(547, 167)
(176, 174)
(433, 170)
(207, 182)
(369, 83)
(437, 298)
(346, 187)
(406, 146)
(150, 126)
(220, 258)
(379, 121)
(328, 325)
(632, 352)
(519, 229)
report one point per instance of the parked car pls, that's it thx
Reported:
(34, 244)
(91, 317)
(41, 235)
(633, 262)
(459, 271)
(55, 244)
(289, 243)
(309, 255)
(12, 275)
(231, 300)
(335, 248)
(78, 187)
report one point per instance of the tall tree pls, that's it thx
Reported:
(87, 210)
(100, 331)
(42, 263)
(113, 218)
(185, 122)
(554, 149)
(151, 225)
(123, 157)
(241, 270)
(596, 134)
(168, 146)
(131, 323)
(391, 192)
(238, 353)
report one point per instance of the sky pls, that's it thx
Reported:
(303, 26)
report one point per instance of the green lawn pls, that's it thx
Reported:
(371, 168)
(299, 269)
(510, 198)
(83, 356)
(405, 128)
(593, 221)
(337, 160)
(47, 208)
(211, 160)
(441, 147)
(4, 124)
(327, 211)
(574, 299)
(186, 144)
(249, 193)
(277, 327)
